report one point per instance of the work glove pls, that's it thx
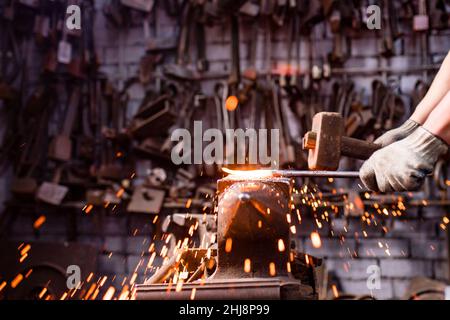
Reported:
(403, 165)
(397, 134)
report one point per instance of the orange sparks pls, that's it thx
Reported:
(272, 269)
(42, 293)
(2, 285)
(109, 293)
(90, 291)
(22, 258)
(335, 291)
(96, 292)
(188, 203)
(315, 239)
(102, 281)
(25, 250)
(228, 245)
(281, 246)
(39, 222)
(133, 278)
(124, 294)
(288, 218)
(193, 294)
(231, 103)
(89, 278)
(293, 229)
(247, 265)
(150, 261)
(16, 281)
(88, 209)
(64, 296)
(120, 193)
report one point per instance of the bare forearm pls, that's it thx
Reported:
(438, 122)
(438, 89)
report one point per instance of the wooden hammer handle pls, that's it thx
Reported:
(359, 149)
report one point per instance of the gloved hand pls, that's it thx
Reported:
(397, 134)
(403, 165)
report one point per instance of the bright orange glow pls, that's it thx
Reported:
(109, 293)
(231, 103)
(125, 293)
(41, 294)
(281, 246)
(22, 258)
(193, 294)
(89, 208)
(25, 250)
(335, 291)
(272, 269)
(315, 239)
(250, 174)
(247, 265)
(120, 193)
(39, 222)
(228, 245)
(18, 279)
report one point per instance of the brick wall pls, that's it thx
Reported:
(417, 246)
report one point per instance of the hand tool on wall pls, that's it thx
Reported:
(250, 74)
(24, 182)
(390, 30)
(52, 192)
(235, 75)
(61, 147)
(202, 63)
(326, 143)
(179, 70)
(60, 150)
(439, 14)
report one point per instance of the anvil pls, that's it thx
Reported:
(254, 258)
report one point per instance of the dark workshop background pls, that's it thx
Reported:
(415, 244)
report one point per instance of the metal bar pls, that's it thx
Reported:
(317, 174)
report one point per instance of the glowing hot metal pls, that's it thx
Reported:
(261, 174)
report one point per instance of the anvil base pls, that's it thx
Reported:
(230, 289)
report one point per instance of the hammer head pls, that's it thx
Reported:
(324, 141)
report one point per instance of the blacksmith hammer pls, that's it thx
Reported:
(326, 143)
